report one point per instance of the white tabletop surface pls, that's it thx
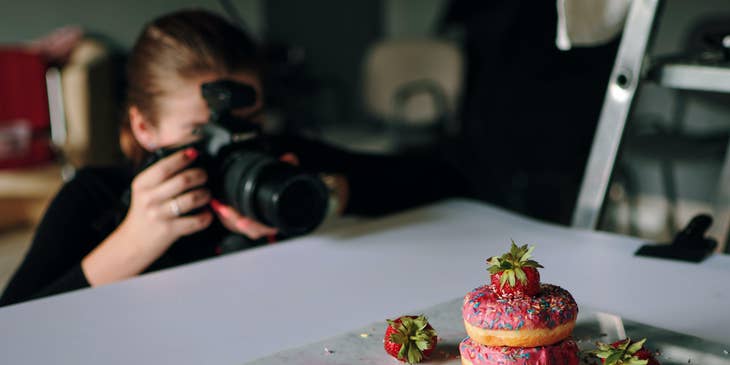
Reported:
(243, 306)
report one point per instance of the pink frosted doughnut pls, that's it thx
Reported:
(544, 319)
(561, 353)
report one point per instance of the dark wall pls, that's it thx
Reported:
(118, 21)
(334, 35)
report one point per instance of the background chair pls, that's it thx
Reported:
(91, 93)
(413, 87)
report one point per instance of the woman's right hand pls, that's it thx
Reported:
(162, 194)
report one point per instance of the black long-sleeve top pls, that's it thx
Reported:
(89, 207)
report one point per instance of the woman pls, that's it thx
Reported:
(89, 237)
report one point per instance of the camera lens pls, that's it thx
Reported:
(293, 201)
(272, 192)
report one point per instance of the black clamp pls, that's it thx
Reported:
(690, 244)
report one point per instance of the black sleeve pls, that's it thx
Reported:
(381, 184)
(65, 235)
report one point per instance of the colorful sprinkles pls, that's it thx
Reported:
(562, 353)
(554, 306)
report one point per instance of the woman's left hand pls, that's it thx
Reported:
(237, 223)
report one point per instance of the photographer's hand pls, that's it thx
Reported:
(240, 224)
(161, 195)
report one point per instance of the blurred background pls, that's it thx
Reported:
(478, 83)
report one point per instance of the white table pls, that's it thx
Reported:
(243, 306)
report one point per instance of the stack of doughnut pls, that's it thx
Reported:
(519, 327)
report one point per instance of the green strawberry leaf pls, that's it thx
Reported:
(624, 344)
(423, 345)
(521, 276)
(614, 358)
(420, 322)
(636, 361)
(398, 338)
(636, 346)
(406, 322)
(414, 355)
(514, 250)
(403, 352)
(518, 257)
(527, 253)
(620, 354)
(531, 263)
(414, 335)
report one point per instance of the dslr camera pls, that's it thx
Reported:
(242, 174)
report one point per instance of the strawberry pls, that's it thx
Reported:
(514, 274)
(625, 352)
(409, 338)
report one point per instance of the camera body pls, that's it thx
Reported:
(242, 174)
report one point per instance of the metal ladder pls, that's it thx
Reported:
(628, 71)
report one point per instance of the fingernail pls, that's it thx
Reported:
(219, 208)
(271, 238)
(191, 153)
(290, 158)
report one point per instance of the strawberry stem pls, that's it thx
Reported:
(512, 263)
(622, 353)
(414, 335)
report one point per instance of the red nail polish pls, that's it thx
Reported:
(271, 238)
(219, 208)
(191, 153)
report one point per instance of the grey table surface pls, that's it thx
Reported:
(364, 346)
(244, 306)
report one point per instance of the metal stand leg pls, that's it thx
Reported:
(617, 103)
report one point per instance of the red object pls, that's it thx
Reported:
(216, 206)
(393, 348)
(191, 153)
(530, 289)
(24, 114)
(642, 354)
(390, 347)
